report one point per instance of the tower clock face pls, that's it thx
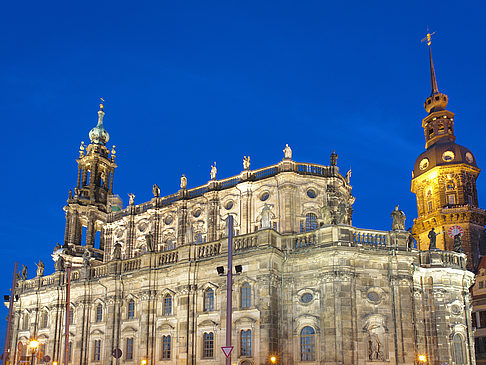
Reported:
(453, 230)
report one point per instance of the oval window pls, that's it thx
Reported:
(196, 213)
(306, 298)
(168, 219)
(424, 164)
(448, 156)
(311, 193)
(229, 205)
(469, 157)
(264, 196)
(374, 297)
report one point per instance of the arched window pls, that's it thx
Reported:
(71, 315)
(246, 296)
(169, 245)
(208, 300)
(458, 349)
(131, 309)
(44, 320)
(208, 344)
(245, 343)
(166, 347)
(311, 222)
(307, 344)
(441, 127)
(167, 305)
(25, 325)
(198, 238)
(99, 313)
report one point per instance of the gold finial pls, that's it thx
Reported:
(428, 37)
(102, 102)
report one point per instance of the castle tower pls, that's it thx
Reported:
(86, 211)
(444, 182)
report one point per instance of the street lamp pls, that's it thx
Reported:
(143, 362)
(33, 344)
(422, 359)
(273, 359)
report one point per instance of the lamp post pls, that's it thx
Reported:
(273, 359)
(422, 359)
(33, 344)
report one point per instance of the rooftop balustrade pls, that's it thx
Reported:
(327, 236)
(252, 175)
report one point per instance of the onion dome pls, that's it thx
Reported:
(98, 135)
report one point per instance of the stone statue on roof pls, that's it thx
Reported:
(458, 243)
(183, 181)
(287, 152)
(24, 272)
(156, 191)
(40, 268)
(214, 171)
(132, 199)
(398, 219)
(246, 163)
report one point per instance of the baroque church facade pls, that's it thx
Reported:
(311, 288)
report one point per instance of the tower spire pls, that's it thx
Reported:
(436, 101)
(433, 79)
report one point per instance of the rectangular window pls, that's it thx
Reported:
(473, 318)
(481, 284)
(429, 206)
(41, 351)
(245, 343)
(246, 296)
(470, 200)
(97, 350)
(451, 199)
(482, 319)
(209, 300)
(166, 346)
(129, 349)
(70, 351)
(208, 345)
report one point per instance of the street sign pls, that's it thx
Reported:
(227, 350)
(117, 353)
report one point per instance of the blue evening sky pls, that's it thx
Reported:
(187, 83)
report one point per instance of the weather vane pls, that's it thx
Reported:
(428, 38)
(102, 102)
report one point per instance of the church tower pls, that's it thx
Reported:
(87, 210)
(444, 182)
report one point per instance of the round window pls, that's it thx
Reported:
(311, 193)
(168, 219)
(264, 196)
(229, 205)
(469, 157)
(455, 309)
(448, 156)
(424, 164)
(196, 213)
(306, 298)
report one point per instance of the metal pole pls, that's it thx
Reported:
(66, 326)
(229, 287)
(6, 347)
